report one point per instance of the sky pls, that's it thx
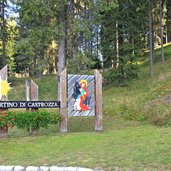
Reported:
(11, 10)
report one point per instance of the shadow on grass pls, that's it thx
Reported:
(81, 124)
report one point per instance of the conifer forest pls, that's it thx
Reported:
(45, 36)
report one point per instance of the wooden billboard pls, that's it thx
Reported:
(81, 100)
(84, 98)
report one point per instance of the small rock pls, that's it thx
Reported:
(32, 168)
(19, 168)
(55, 168)
(43, 168)
(71, 169)
(6, 168)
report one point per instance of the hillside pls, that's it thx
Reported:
(129, 101)
(125, 144)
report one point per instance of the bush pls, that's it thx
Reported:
(131, 112)
(126, 70)
(35, 120)
(159, 114)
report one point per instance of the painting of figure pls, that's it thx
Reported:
(81, 96)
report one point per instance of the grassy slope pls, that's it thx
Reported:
(125, 144)
(130, 100)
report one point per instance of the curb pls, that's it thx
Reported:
(42, 168)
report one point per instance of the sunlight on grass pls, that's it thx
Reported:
(125, 144)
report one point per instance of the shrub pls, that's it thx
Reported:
(35, 120)
(6, 119)
(159, 114)
(126, 70)
(131, 112)
(54, 118)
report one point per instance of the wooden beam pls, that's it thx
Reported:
(27, 91)
(63, 99)
(34, 95)
(4, 73)
(0, 87)
(99, 110)
(4, 76)
(34, 91)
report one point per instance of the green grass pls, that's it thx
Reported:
(129, 101)
(47, 88)
(125, 144)
(133, 143)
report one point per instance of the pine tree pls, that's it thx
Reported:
(3, 32)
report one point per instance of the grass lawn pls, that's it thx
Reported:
(132, 143)
(123, 144)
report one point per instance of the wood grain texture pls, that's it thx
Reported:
(4, 76)
(99, 109)
(27, 91)
(63, 99)
(4, 73)
(0, 87)
(34, 91)
(34, 94)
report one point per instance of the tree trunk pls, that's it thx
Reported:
(3, 2)
(161, 31)
(117, 45)
(151, 40)
(39, 72)
(168, 6)
(70, 46)
(62, 50)
(152, 33)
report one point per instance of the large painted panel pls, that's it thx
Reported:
(81, 96)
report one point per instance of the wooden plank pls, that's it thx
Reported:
(99, 110)
(27, 91)
(4, 73)
(63, 100)
(34, 95)
(0, 87)
(34, 91)
(4, 76)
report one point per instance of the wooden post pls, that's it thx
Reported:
(1, 110)
(99, 114)
(63, 100)
(4, 73)
(4, 76)
(27, 91)
(34, 92)
(0, 87)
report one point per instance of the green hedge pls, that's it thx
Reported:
(34, 120)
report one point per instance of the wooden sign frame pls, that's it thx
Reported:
(98, 102)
